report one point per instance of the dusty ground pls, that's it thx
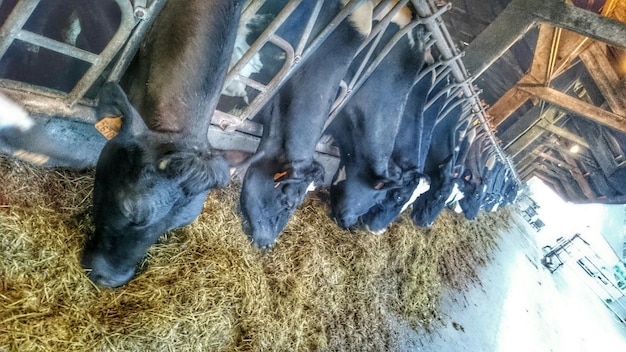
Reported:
(520, 306)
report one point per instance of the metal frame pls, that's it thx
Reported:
(13, 30)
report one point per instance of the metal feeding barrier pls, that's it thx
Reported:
(138, 15)
(135, 19)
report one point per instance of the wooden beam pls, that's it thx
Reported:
(574, 171)
(562, 132)
(578, 106)
(521, 15)
(605, 77)
(575, 19)
(496, 39)
(526, 139)
(512, 100)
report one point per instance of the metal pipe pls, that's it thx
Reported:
(130, 48)
(445, 45)
(13, 25)
(127, 22)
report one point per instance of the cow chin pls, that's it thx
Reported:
(104, 274)
(265, 232)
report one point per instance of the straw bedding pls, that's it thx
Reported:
(205, 288)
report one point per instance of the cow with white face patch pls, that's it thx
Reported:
(478, 165)
(427, 99)
(440, 165)
(155, 175)
(369, 122)
(275, 184)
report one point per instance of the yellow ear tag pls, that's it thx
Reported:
(109, 126)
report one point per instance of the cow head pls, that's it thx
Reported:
(396, 201)
(355, 191)
(473, 199)
(144, 186)
(270, 194)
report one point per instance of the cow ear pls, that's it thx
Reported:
(387, 184)
(112, 101)
(196, 171)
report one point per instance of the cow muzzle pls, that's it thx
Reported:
(103, 274)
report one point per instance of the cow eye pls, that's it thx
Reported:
(138, 213)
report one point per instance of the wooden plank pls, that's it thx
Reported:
(578, 106)
(541, 57)
(605, 77)
(574, 171)
(562, 132)
(496, 39)
(512, 100)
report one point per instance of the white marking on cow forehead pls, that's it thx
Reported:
(341, 175)
(457, 208)
(311, 187)
(491, 162)
(455, 195)
(377, 233)
(13, 115)
(421, 188)
(361, 18)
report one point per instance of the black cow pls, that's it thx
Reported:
(368, 124)
(411, 148)
(275, 184)
(155, 175)
(478, 164)
(440, 166)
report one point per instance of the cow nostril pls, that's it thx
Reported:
(103, 274)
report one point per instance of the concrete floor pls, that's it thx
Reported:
(520, 306)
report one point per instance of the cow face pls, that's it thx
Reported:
(427, 207)
(270, 194)
(396, 201)
(142, 189)
(353, 196)
(472, 201)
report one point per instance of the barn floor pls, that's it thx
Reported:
(520, 306)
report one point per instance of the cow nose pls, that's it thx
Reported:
(103, 274)
(346, 221)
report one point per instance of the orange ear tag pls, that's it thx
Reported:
(109, 126)
(279, 175)
(379, 185)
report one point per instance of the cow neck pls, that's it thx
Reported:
(182, 140)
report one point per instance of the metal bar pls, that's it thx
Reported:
(268, 33)
(130, 48)
(270, 89)
(445, 45)
(59, 47)
(127, 22)
(309, 27)
(14, 23)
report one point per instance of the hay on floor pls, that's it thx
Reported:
(205, 288)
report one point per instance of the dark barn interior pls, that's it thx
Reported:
(553, 77)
